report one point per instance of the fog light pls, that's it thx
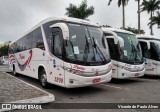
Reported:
(123, 74)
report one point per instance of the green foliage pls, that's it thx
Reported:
(82, 11)
(150, 5)
(156, 20)
(106, 26)
(120, 2)
(4, 50)
(134, 30)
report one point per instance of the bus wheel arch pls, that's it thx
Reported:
(42, 76)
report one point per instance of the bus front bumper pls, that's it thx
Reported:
(124, 74)
(73, 81)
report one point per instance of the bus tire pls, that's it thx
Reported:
(43, 78)
(14, 70)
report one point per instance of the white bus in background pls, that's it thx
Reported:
(125, 53)
(67, 52)
(151, 52)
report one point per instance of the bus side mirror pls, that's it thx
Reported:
(121, 41)
(64, 28)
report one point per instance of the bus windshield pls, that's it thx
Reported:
(86, 44)
(131, 52)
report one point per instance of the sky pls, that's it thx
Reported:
(18, 16)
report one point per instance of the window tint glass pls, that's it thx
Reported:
(38, 39)
(57, 50)
(48, 32)
(23, 43)
(79, 45)
(157, 45)
(145, 51)
(28, 41)
(112, 49)
(131, 51)
(154, 54)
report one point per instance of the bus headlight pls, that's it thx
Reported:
(73, 71)
(134, 69)
(88, 74)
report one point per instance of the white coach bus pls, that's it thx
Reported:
(67, 52)
(125, 53)
(151, 52)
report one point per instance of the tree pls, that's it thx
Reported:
(156, 20)
(4, 50)
(150, 6)
(106, 26)
(123, 3)
(134, 30)
(139, 16)
(82, 11)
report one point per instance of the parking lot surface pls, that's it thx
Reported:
(133, 90)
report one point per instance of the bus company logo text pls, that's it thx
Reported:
(21, 56)
(78, 67)
(152, 69)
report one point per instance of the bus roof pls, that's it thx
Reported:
(116, 30)
(148, 37)
(66, 19)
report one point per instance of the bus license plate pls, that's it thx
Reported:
(96, 80)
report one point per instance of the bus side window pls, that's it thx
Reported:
(38, 39)
(57, 49)
(29, 41)
(145, 51)
(40, 44)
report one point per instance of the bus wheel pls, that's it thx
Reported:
(14, 70)
(43, 78)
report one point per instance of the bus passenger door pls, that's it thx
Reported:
(155, 56)
(148, 57)
(114, 55)
(57, 50)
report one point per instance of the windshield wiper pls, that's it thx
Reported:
(96, 46)
(86, 51)
(75, 56)
(134, 51)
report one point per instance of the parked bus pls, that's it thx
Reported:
(125, 53)
(151, 52)
(67, 52)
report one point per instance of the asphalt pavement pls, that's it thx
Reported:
(14, 90)
(4, 68)
(132, 90)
